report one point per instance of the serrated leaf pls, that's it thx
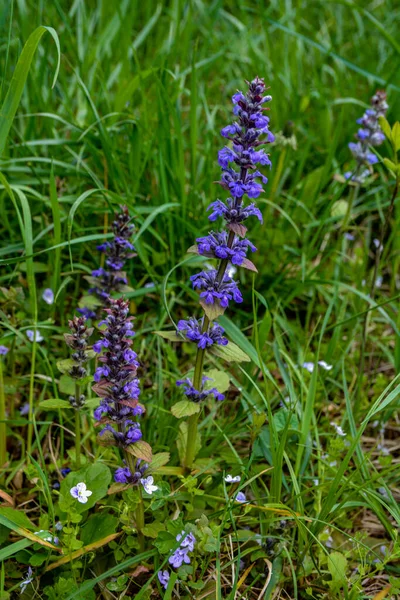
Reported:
(141, 450)
(219, 380)
(230, 353)
(66, 385)
(213, 311)
(337, 565)
(89, 301)
(153, 529)
(185, 408)
(159, 460)
(66, 365)
(384, 125)
(54, 403)
(172, 336)
(396, 136)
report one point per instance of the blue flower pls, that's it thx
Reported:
(3, 350)
(163, 578)
(199, 395)
(213, 291)
(194, 332)
(215, 245)
(369, 134)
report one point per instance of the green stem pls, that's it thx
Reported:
(139, 514)
(77, 428)
(378, 256)
(198, 372)
(3, 436)
(31, 396)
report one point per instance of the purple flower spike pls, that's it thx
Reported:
(215, 245)
(369, 134)
(117, 384)
(111, 279)
(198, 395)
(214, 292)
(194, 332)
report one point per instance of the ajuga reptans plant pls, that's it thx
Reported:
(118, 386)
(369, 134)
(77, 340)
(111, 278)
(241, 178)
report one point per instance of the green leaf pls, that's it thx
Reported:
(213, 311)
(153, 529)
(66, 385)
(337, 565)
(66, 365)
(181, 441)
(97, 478)
(89, 302)
(54, 403)
(339, 209)
(97, 527)
(141, 450)
(396, 136)
(173, 336)
(384, 125)
(392, 166)
(13, 97)
(219, 380)
(185, 408)
(230, 353)
(159, 460)
(15, 517)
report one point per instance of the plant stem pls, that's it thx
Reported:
(378, 256)
(198, 372)
(3, 436)
(77, 428)
(139, 514)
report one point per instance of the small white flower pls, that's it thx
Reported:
(147, 483)
(324, 365)
(384, 451)
(379, 281)
(231, 270)
(377, 244)
(230, 479)
(316, 482)
(350, 237)
(48, 296)
(339, 430)
(30, 334)
(309, 366)
(80, 492)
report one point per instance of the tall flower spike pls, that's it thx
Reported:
(111, 278)
(77, 340)
(241, 177)
(118, 387)
(369, 134)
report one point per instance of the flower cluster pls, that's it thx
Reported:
(77, 340)
(369, 134)
(116, 381)
(179, 557)
(241, 177)
(215, 245)
(111, 278)
(199, 395)
(193, 329)
(214, 289)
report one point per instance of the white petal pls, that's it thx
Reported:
(81, 487)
